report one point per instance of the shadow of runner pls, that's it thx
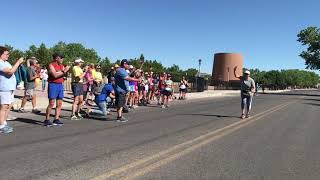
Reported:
(29, 121)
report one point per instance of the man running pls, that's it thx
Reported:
(247, 90)
(55, 89)
(122, 79)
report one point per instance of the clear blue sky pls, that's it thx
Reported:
(171, 31)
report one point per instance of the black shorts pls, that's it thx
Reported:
(167, 93)
(184, 90)
(141, 88)
(77, 89)
(120, 100)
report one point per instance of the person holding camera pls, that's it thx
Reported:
(7, 86)
(29, 86)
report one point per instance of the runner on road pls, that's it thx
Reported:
(247, 91)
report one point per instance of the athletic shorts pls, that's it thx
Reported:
(29, 93)
(7, 97)
(55, 91)
(120, 100)
(167, 93)
(131, 88)
(141, 88)
(183, 90)
(77, 89)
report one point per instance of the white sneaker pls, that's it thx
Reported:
(10, 118)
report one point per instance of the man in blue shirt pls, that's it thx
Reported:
(102, 92)
(122, 79)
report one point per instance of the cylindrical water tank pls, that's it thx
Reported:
(223, 67)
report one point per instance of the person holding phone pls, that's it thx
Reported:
(57, 71)
(247, 91)
(7, 87)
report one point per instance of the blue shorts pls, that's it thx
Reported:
(77, 89)
(55, 91)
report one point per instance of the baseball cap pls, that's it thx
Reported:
(116, 66)
(130, 67)
(247, 72)
(78, 60)
(98, 67)
(124, 61)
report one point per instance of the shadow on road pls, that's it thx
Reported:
(313, 104)
(313, 100)
(212, 115)
(294, 94)
(29, 121)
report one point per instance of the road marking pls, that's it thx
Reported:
(169, 155)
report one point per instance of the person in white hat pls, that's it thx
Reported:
(77, 88)
(247, 91)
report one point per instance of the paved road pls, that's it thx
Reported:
(192, 140)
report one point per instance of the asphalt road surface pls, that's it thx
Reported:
(200, 139)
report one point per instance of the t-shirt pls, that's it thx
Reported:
(76, 73)
(107, 89)
(98, 76)
(246, 85)
(122, 85)
(94, 73)
(168, 84)
(30, 83)
(58, 67)
(44, 74)
(7, 83)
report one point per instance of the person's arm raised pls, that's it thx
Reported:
(12, 70)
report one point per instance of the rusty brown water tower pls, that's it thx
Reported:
(223, 69)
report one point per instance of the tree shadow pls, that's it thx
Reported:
(312, 104)
(312, 99)
(294, 94)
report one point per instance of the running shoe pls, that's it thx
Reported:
(6, 129)
(122, 119)
(57, 122)
(47, 123)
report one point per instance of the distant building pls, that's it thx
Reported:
(223, 69)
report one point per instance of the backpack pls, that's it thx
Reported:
(98, 89)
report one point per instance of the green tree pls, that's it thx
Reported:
(310, 37)
(43, 55)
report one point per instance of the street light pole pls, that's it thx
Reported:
(199, 67)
